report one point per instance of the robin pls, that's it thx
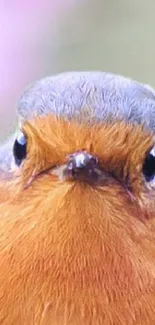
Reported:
(77, 202)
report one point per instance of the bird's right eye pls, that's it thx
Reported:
(149, 166)
(19, 148)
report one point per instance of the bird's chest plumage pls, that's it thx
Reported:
(87, 275)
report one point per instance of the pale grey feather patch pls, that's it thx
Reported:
(89, 96)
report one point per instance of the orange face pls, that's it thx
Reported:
(78, 250)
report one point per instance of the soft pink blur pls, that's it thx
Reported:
(28, 31)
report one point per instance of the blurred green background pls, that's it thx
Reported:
(48, 37)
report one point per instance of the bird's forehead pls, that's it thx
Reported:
(89, 97)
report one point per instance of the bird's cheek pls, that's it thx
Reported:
(146, 202)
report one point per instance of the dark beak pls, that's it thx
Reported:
(83, 166)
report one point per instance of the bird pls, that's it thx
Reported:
(77, 204)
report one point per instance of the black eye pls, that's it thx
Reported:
(19, 148)
(149, 166)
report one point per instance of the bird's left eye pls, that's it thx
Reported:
(19, 148)
(149, 166)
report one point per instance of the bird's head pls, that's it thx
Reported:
(86, 144)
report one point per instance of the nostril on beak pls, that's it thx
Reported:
(79, 159)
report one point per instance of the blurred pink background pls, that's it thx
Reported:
(29, 36)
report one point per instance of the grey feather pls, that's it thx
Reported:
(100, 95)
